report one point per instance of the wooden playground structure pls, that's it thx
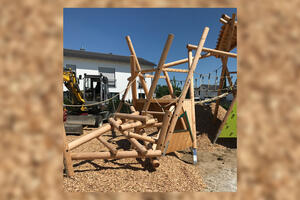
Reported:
(174, 117)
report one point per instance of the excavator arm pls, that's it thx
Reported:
(70, 82)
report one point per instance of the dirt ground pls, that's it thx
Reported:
(216, 169)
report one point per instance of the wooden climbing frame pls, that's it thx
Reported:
(174, 117)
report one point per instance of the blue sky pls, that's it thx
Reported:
(104, 30)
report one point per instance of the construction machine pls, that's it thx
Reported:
(85, 108)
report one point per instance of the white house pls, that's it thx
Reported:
(205, 91)
(115, 67)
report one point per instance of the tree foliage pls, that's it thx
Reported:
(162, 90)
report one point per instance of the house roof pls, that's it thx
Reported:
(103, 56)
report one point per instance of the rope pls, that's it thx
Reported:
(101, 102)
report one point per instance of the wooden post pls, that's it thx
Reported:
(67, 156)
(163, 130)
(192, 95)
(126, 126)
(158, 71)
(132, 51)
(179, 105)
(133, 86)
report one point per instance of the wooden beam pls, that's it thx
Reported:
(141, 148)
(111, 148)
(192, 95)
(132, 51)
(169, 84)
(186, 86)
(139, 137)
(213, 51)
(131, 116)
(163, 130)
(152, 76)
(158, 71)
(133, 86)
(115, 124)
(177, 62)
(126, 126)
(90, 136)
(176, 70)
(153, 112)
(109, 155)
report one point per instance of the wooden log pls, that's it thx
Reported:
(138, 66)
(126, 126)
(90, 136)
(186, 86)
(132, 109)
(192, 95)
(223, 21)
(154, 162)
(176, 70)
(140, 148)
(226, 17)
(67, 156)
(111, 148)
(152, 76)
(131, 116)
(177, 62)
(138, 136)
(163, 130)
(158, 71)
(133, 86)
(109, 155)
(169, 84)
(232, 72)
(115, 124)
(153, 112)
(214, 51)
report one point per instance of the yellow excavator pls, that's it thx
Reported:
(70, 81)
(95, 91)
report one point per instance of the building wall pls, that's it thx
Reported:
(90, 66)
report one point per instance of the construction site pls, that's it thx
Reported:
(175, 143)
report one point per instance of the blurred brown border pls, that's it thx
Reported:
(31, 112)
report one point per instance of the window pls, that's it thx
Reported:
(141, 96)
(110, 74)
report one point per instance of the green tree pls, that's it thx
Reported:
(162, 90)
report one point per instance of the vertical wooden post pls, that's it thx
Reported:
(132, 51)
(186, 86)
(158, 71)
(224, 66)
(163, 130)
(67, 156)
(133, 86)
(192, 95)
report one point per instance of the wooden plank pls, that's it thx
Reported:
(138, 66)
(109, 155)
(158, 71)
(131, 116)
(179, 141)
(133, 86)
(111, 148)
